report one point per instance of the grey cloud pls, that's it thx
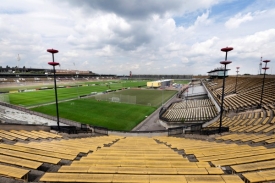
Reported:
(130, 40)
(133, 9)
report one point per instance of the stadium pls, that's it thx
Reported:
(190, 142)
(137, 92)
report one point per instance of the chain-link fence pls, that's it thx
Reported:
(4, 98)
(117, 98)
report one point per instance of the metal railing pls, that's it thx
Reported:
(208, 130)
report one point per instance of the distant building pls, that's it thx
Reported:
(68, 71)
(218, 72)
(160, 83)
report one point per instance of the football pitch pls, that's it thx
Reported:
(105, 113)
(112, 115)
(65, 92)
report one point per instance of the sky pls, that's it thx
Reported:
(142, 36)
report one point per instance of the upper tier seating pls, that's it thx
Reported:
(191, 111)
(248, 92)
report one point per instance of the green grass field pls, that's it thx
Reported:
(114, 84)
(153, 97)
(46, 96)
(115, 116)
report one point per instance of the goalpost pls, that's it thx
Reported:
(4, 98)
(117, 98)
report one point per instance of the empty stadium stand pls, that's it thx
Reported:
(244, 154)
(40, 150)
(190, 111)
(227, 158)
(253, 121)
(248, 92)
(138, 159)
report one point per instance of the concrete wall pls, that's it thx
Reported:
(211, 121)
(132, 134)
(24, 127)
(169, 124)
(211, 98)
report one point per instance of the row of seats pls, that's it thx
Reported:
(254, 121)
(241, 159)
(14, 172)
(131, 178)
(19, 159)
(248, 92)
(192, 104)
(142, 159)
(248, 137)
(191, 110)
(71, 146)
(27, 135)
(138, 159)
(191, 114)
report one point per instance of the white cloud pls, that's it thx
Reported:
(106, 51)
(237, 20)
(119, 36)
(203, 19)
(203, 48)
(72, 53)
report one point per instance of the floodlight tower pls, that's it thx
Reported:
(225, 62)
(76, 78)
(53, 63)
(18, 59)
(162, 92)
(260, 66)
(237, 71)
(186, 97)
(264, 68)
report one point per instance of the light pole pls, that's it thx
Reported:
(186, 98)
(76, 77)
(264, 68)
(260, 66)
(18, 59)
(225, 62)
(237, 71)
(53, 63)
(162, 93)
